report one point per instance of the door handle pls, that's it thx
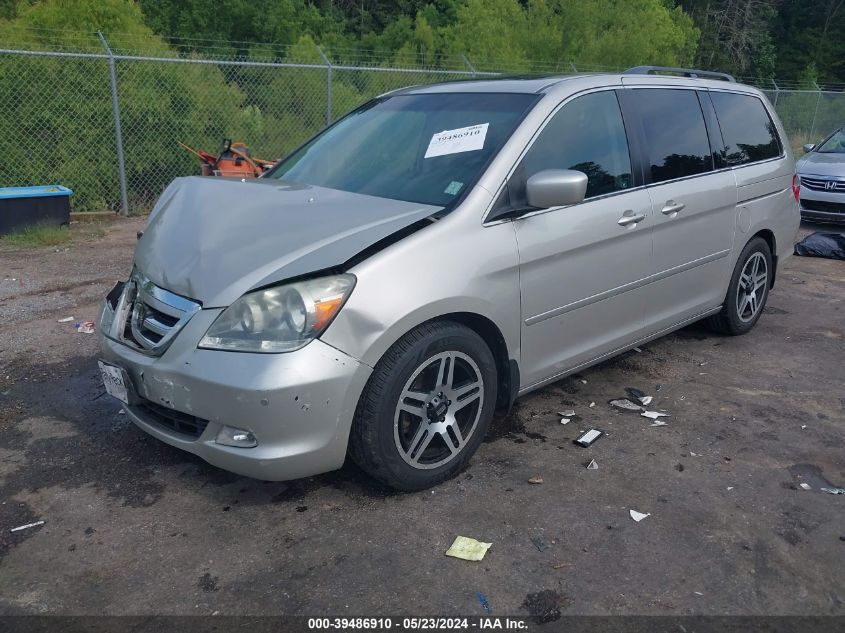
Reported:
(630, 218)
(672, 208)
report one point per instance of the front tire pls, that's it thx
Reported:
(748, 291)
(426, 407)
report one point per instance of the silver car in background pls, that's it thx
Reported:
(822, 174)
(437, 253)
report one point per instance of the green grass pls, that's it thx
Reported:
(95, 232)
(35, 236)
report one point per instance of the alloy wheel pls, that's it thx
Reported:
(438, 410)
(751, 289)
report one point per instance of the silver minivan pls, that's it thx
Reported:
(437, 253)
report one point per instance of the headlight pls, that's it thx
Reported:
(279, 319)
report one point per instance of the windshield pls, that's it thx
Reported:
(835, 144)
(427, 148)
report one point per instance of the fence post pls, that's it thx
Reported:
(470, 66)
(572, 65)
(816, 112)
(328, 86)
(777, 92)
(118, 136)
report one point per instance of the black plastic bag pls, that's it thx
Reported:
(830, 245)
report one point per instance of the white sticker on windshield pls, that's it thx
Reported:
(463, 139)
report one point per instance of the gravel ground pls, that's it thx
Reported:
(133, 526)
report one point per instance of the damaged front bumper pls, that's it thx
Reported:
(297, 406)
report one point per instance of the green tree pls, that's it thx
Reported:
(808, 37)
(240, 22)
(58, 125)
(608, 33)
(490, 32)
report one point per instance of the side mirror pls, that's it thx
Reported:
(809, 148)
(556, 188)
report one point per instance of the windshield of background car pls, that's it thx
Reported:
(426, 148)
(835, 144)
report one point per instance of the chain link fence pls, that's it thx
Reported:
(106, 124)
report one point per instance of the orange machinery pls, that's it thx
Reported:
(234, 160)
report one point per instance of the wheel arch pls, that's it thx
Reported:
(507, 368)
(769, 237)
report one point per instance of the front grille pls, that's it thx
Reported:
(821, 205)
(149, 325)
(148, 317)
(817, 183)
(171, 419)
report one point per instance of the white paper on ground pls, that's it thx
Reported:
(653, 415)
(589, 436)
(805, 486)
(468, 548)
(463, 139)
(638, 516)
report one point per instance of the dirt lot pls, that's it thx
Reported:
(133, 526)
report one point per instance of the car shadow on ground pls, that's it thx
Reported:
(71, 434)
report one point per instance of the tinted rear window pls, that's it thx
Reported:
(675, 134)
(749, 132)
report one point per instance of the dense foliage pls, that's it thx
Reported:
(793, 40)
(57, 112)
(796, 40)
(57, 122)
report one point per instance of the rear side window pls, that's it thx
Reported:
(675, 134)
(587, 135)
(749, 132)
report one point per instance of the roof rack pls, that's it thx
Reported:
(685, 72)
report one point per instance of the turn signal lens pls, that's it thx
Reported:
(796, 186)
(324, 311)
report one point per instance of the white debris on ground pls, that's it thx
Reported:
(27, 526)
(638, 516)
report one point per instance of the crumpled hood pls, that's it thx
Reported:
(816, 164)
(213, 239)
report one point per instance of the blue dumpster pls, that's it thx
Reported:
(21, 207)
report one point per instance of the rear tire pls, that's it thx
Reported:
(426, 407)
(748, 290)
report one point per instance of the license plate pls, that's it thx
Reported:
(114, 381)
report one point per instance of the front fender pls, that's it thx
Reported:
(456, 265)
